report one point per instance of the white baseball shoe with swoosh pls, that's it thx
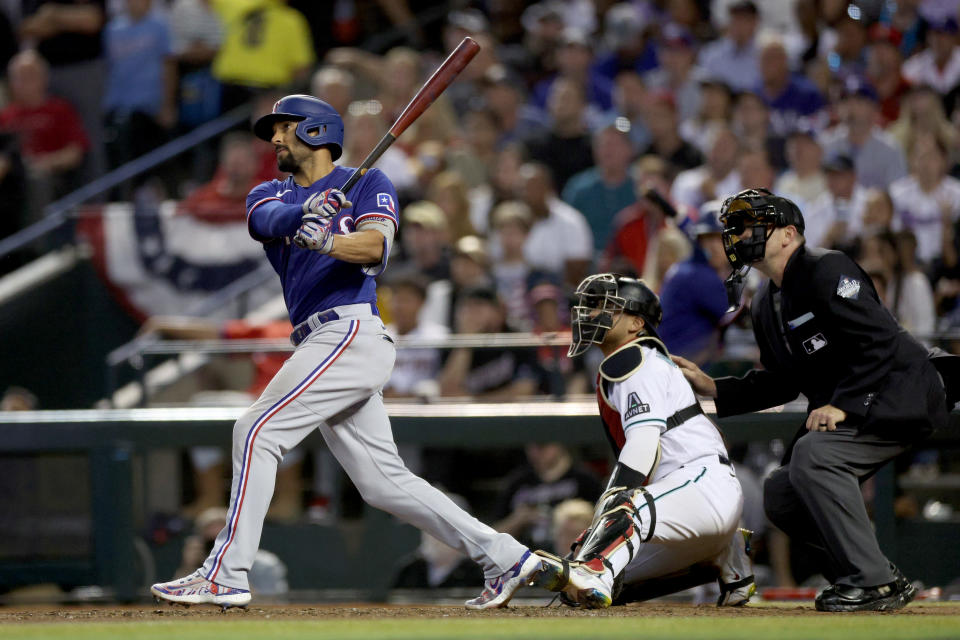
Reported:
(498, 591)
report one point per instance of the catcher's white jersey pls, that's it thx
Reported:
(655, 392)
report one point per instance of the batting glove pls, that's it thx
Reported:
(324, 205)
(316, 236)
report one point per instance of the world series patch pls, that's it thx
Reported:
(848, 287)
(634, 406)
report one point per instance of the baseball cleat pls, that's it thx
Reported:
(195, 589)
(580, 581)
(498, 591)
(736, 594)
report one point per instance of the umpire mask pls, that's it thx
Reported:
(600, 298)
(759, 212)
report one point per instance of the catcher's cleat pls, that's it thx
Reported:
(498, 591)
(195, 589)
(581, 582)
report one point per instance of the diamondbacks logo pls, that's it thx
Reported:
(385, 200)
(635, 407)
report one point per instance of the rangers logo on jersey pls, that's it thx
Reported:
(385, 200)
(634, 406)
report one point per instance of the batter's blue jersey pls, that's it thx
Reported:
(314, 281)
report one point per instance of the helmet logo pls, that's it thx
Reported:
(276, 105)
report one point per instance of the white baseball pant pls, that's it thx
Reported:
(333, 382)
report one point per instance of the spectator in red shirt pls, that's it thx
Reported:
(52, 138)
(224, 198)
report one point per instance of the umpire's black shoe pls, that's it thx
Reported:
(886, 597)
(906, 588)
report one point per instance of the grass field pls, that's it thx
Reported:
(426, 623)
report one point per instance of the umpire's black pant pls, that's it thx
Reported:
(815, 498)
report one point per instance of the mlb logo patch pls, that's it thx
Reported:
(385, 200)
(848, 288)
(814, 344)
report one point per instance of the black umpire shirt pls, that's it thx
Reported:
(825, 334)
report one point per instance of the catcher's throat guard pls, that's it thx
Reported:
(600, 298)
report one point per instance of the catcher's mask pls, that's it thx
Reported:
(760, 212)
(600, 298)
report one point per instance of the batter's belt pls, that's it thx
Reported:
(311, 324)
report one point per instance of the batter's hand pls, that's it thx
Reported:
(825, 418)
(324, 205)
(316, 236)
(701, 382)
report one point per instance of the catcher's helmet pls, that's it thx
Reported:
(600, 297)
(320, 124)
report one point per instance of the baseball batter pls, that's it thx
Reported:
(327, 252)
(671, 509)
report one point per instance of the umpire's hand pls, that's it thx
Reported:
(825, 418)
(701, 382)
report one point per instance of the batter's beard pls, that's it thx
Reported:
(286, 162)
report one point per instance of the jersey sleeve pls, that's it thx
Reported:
(376, 208)
(268, 217)
(641, 399)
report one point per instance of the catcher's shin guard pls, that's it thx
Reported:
(615, 533)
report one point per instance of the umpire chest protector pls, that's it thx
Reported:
(619, 366)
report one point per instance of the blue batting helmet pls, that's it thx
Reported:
(316, 117)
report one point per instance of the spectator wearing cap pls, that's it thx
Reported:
(751, 123)
(734, 57)
(511, 227)
(628, 48)
(844, 44)
(604, 189)
(884, 63)
(693, 296)
(841, 213)
(927, 201)
(715, 178)
(939, 64)
(415, 370)
(793, 99)
(678, 72)
(804, 181)
(476, 155)
(565, 148)
(716, 102)
(488, 374)
(549, 310)
(560, 241)
(663, 123)
(876, 157)
(506, 96)
(424, 241)
(503, 185)
(574, 58)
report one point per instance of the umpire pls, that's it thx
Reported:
(872, 393)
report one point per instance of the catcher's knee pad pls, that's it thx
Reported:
(616, 524)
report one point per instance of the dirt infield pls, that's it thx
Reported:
(79, 614)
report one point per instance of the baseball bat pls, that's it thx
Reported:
(430, 91)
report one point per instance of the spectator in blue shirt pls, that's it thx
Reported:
(794, 101)
(693, 296)
(574, 57)
(140, 102)
(628, 48)
(733, 58)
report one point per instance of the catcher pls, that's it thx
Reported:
(668, 519)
